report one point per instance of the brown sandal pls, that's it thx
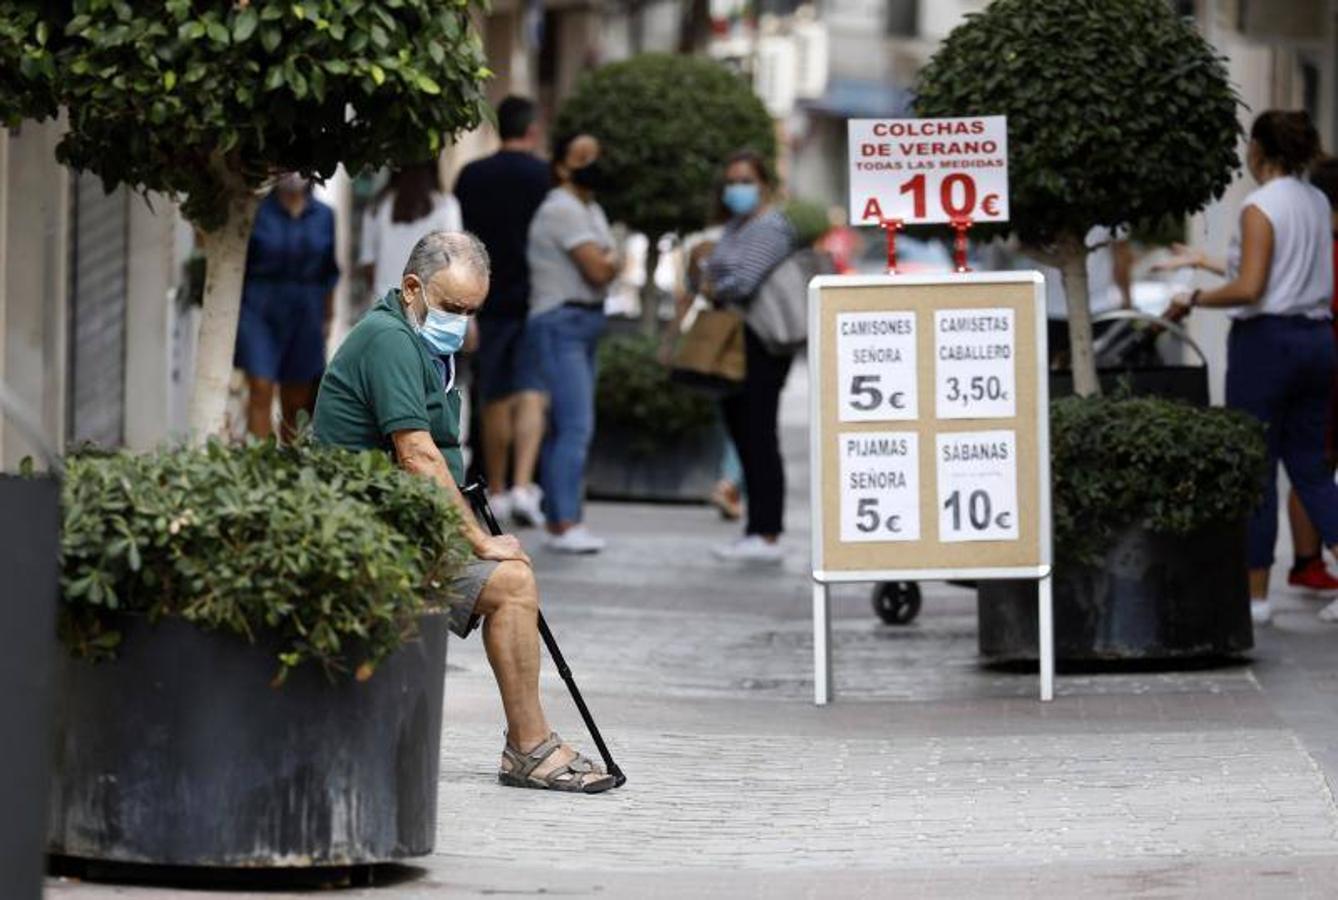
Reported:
(571, 777)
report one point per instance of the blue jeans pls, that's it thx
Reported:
(564, 341)
(1280, 370)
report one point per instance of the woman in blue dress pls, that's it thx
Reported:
(287, 304)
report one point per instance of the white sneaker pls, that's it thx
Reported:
(752, 548)
(1329, 613)
(576, 539)
(527, 505)
(500, 505)
(1261, 611)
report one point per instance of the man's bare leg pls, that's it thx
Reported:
(530, 412)
(509, 605)
(497, 437)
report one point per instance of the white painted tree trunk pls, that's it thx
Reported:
(225, 270)
(650, 294)
(1073, 265)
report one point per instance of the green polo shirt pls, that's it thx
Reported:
(384, 379)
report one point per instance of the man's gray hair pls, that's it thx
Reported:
(439, 250)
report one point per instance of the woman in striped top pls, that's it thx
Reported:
(756, 239)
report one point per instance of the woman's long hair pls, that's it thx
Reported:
(410, 189)
(1287, 138)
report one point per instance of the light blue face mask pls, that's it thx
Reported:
(444, 332)
(741, 199)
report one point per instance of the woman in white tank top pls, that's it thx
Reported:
(1281, 355)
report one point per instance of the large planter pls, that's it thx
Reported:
(29, 552)
(684, 471)
(1154, 597)
(179, 752)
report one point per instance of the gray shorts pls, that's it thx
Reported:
(465, 590)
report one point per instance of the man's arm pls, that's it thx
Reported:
(419, 455)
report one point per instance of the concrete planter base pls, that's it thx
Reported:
(1155, 597)
(684, 472)
(180, 753)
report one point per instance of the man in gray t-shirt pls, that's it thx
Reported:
(563, 223)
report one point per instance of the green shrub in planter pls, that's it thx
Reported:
(635, 395)
(1160, 464)
(336, 552)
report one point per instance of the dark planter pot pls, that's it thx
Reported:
(180, 753)
(682, 472)
(29, 553)
(1155, 597)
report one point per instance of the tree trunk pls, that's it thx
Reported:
(694, 26)
(650, 294)
(1073, 265)
(225, 270)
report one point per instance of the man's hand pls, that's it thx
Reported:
(501, 548)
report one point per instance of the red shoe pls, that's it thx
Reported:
(1314, 576)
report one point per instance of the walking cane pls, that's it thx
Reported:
(478, 498)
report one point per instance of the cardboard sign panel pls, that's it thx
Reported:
(928, 170)
(930, 427)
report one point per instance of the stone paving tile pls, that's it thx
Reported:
(879, 804)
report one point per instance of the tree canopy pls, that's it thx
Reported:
(202, 99)
(1117, 112)
(666, 124)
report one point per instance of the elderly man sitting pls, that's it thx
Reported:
(391, 387)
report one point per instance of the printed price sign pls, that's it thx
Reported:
(880, 486)
(876, 366)
(974, 371)
(977, 486)
(928, 170)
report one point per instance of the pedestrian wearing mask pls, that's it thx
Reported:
(391, 387)
(572, 262)
(1280, 355)
(287, 304)
(756, 239)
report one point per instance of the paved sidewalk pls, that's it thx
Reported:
(930, 776)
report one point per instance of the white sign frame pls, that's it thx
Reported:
(887, 185)
(823, 579)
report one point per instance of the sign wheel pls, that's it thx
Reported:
(896, 602)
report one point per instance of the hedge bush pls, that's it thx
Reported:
(634, 394)
(337, 552)
(1160, 464)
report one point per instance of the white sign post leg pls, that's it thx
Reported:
(1045, 597)
(822, 641)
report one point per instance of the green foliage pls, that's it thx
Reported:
(635, 394)
(1164, 465)
(204, 99)
(808, 219)
(337, 552)
(666, 125)
(27, 66)
(1117, 112)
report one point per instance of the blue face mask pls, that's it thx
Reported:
(443, 332)
(741, 199)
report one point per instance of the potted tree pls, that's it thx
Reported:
(1118, 114)
(666, 124)
(257, 642)
(317, 560)
(1150, 500)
